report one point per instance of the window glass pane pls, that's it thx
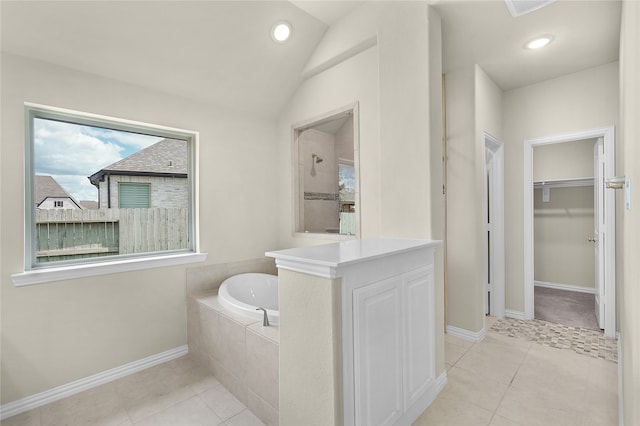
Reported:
(326, 175)
(102, 191)
(134, 195)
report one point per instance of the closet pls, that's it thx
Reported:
(564, 250)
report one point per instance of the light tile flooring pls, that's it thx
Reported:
(176, 393)
(500, 381)
(507, 380)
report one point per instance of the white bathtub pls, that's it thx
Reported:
(244, 293)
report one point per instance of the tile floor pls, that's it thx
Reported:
(500, 381)
(176, 393)
(507, 380)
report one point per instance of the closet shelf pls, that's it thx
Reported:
(563, 183)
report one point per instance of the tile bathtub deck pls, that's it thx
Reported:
(502, 380)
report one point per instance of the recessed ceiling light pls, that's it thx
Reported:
(281, 32)
(539, 42)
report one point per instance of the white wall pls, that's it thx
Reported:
(628, 242)
(397, 85)
(464, 281)
(566, 160)
(59, 332)
(584, 100)
(562, 253)
(474, 105)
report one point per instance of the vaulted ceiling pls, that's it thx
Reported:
(221, 53)
(218, 52)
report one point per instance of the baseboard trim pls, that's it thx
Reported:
(620, 384)
(34, 401)
(514, 314)
(566, 287)
(424, 401)
(472, 336)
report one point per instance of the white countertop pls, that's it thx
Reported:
(347, 252)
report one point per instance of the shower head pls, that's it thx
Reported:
(316, 158)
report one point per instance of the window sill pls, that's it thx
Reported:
(45, 275)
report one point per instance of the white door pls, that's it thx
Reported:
(599, 235)
(487, 226)
(377, 352)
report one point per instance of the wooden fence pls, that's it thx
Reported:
(63, 234)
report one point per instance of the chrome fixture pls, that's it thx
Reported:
(265, 318)
(316, 159)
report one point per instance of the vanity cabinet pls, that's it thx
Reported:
(393, 346)
(383, 353)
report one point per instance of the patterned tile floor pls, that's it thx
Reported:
(580, 340)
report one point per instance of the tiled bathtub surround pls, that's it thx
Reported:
(241, 353)
(211, 276)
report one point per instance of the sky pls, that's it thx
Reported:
(70, 153)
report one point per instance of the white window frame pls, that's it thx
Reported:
(37, 274)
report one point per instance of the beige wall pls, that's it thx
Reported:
(464, 263)
(397, 85)
(344, 141)
(628, 242)
(318, 215)
(59, 332)
(55, 333)
(566, 160)
(562, 253)
(584, 100)
(474, 105)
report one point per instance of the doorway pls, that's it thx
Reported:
(493, 220)
(604, 231)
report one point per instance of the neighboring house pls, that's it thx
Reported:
(153, 177)
(89, 204)
(50, 195)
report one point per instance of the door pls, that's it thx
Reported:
(493, 225)
(487, 226)
(377, 352)
(599, 235)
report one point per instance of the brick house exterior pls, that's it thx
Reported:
(162, 166)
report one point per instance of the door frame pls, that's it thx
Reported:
(493, 259)
(608, 135)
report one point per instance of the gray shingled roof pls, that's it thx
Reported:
(166, 157)
(156, 158)
(47, 187)
(89, 204)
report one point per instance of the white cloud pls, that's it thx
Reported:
(78, 186)
(71, 153)
(135, 140)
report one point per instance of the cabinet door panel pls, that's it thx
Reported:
(378, 361)
(419, 317)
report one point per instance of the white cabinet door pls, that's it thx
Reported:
(394, 361)
(378, 358)
(419, 319)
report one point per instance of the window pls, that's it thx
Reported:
(130, 187)
(326, 175)
(134, 195)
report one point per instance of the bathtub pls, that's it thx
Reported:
(244, 293)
